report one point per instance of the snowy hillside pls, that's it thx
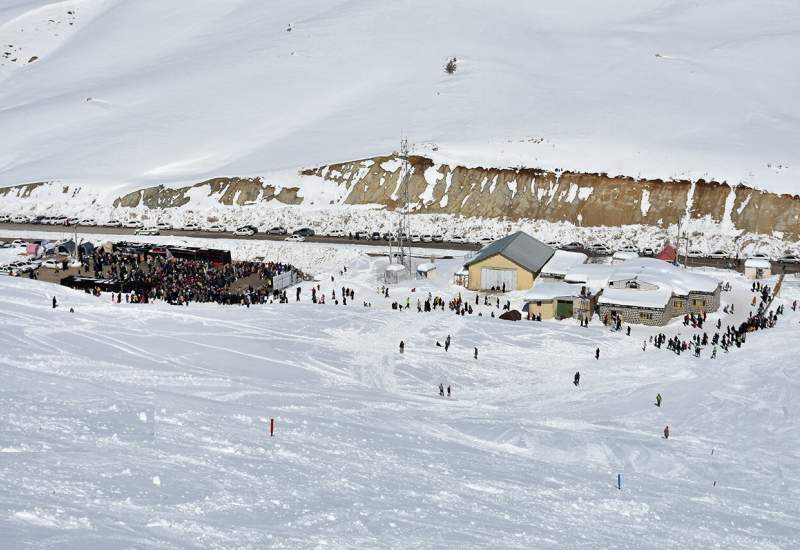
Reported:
(147, 426)
(119, 94)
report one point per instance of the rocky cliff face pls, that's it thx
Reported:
(582, 199)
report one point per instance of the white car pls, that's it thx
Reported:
(245, 232)
(88, 222)
(719, 254)
(165, 226)
(133, 224)
(337, 234)
(113, 223)
(295, 238)
(790, 259)
(362, 235)
(695, 253)
(19, 218)
(457, 239)
(191, 226)
(147, 231)
(647, 251)
(72, 221)
(215, 228)
(486, 240)
(18, 242)
(5, 219)
(415, 238)
(51, 264)
(426, 238)
(438, 238)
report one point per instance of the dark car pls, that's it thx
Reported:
(376, 236)
(304, 232)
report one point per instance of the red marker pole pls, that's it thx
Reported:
(271, 427)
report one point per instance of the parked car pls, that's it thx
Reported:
(113, 223)
(337, 234)
(695, 253)
(376, 236)
(388, 236)
(790, 259)
(719, 254)
(5, 219)
(426, 238)
(51, 264)
(304, 232)
(215, 228)
(553, 244)
(40, 220)
(60, 220)
(18, 243)
(190, 226)
(278, 230)
(438, 238)
(147, 231)
(164, 226)
(574, 245)
(19, 218)
(647, 251)
(415, 238)
(295, 238)
(88, 222)
(602, 250)
(628, 248)
(133, 224)
(72, 221)
(361, 235)
(458, 239)
(245, 231)
(486, 241)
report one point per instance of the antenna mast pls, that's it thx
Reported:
(404, 232)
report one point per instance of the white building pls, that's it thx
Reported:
(757, 268)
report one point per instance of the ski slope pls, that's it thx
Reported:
(124, 94)
(146, 426)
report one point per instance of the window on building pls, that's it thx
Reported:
(698, 303)
(679, 304)
(646, 316)
(539, 304)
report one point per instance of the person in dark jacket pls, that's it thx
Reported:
(666, 432)
(597, 353)
(577, 379)
(55, 302)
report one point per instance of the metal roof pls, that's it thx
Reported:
(520, 248)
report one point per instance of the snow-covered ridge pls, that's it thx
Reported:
(127, 95)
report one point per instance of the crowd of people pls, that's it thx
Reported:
(144, 277)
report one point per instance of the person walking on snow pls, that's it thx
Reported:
(658, 400)
(577, 379)
(447, 343)
(55, 302)
(441, 389)
(448, 390)
(666, 432)
(597, 353)
(402, 346)
(476, 353)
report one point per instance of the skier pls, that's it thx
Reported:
(441, 389)
(402, 346)
(55, 303)
(448, 390)
(666, 432)
(658, 400)
(597, 353)
(447, 343)
(577, 379)
(476, 353)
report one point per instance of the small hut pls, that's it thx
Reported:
(461, 278)
(426, 270)
(393, 273)
(757, 268)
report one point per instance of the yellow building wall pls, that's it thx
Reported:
(524, 277)
(547, 310)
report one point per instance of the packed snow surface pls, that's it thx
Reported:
(146, 426)
(117, 94)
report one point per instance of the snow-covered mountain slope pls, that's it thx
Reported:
(147, 426)
(126, 94)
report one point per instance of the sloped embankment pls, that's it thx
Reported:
(225, 191)
(580, 198)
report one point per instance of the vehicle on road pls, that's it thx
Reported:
(336, 234)
(304, 232)
(278, 230)
(19, 218)
(72, 221)
(388, 236)
(51, 264)
(415, 238)
(553, 244)
(695, 253)
(5, 219)
(147, 231)
(361, 235)
(438, 238)
(215, 228)
(426, 238)
(719, 254)
(18, 243)
(88, 222)
(376, 236)
(164, 226)
(295, 238)
(190, 226)
(113, 223)
(245, 231)
(485, 241)
(133, 224)
(790, 259)
(574, 245)
(647, 251)
(459, 239)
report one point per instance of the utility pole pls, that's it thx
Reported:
(404, 229)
